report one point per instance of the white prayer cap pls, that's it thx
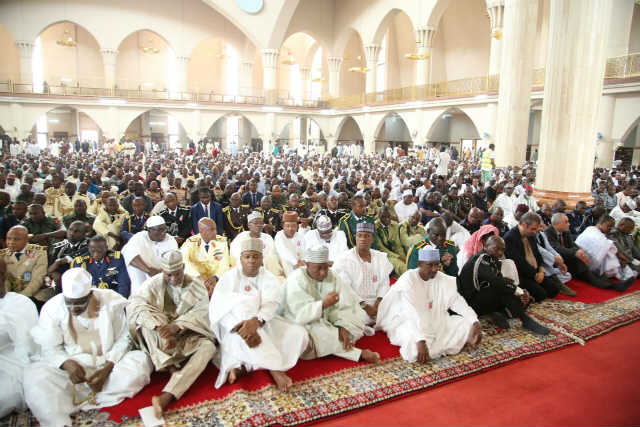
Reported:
(407, 192)
(324, 223)
(631, 204)
(251, 245)
(171, 260)
(428, 255)
(76, 283)
(254, 215)
(318, 254)
(155, 221)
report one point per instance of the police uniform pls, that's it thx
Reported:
(179, 224)
(26, 273)
(388, 238)
(235, 221)
(131, 225)
(273, 217)
(88, 219)
(448, 256)
(109, 273)
(47, 225)
(348, 224)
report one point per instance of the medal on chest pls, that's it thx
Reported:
(430, 305)
(247, 288)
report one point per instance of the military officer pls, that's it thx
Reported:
(411, 231)
(388, 236)
(44, 229)
(109, 221)
(294, 204)
(26, 266)
(235, 216)
(349, 221)
(62, 253)
(332, 211)
(79, 214)
(107, 268)
(134, 223)
(436, 232)
(177, 218)
(272, 217)
(53, 194)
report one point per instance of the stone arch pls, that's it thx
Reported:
(386, 22)
(151, 30)
(341, 125)
(141, 75)
(396, 131)
(54, 126)
(243, 140)
(285, 130)
(452, 127)
(343, 39)
(161, 128)
(436, 12)
(630, 129)
(63, 21)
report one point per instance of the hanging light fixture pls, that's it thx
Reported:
(67, 40)
(150, 49)
(497, 34)
(414, 56)
(361, 69)
(289, 60)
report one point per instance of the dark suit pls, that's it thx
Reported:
(179, 224)
(514, 249)
(215, 213)
(251, 199)
(128, 201)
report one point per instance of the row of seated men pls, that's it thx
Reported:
(91, 347)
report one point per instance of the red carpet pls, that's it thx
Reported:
(590, 294)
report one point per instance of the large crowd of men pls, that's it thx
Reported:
(116, 264)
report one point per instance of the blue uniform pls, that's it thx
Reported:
(110, 273)
(132, 225)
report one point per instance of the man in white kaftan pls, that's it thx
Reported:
(455, 232)
(318, 299)
(289, 243)
(366, 270)
(508, 202)
(87, 361)
(415, 316)
(243, 317)
(143, 251)
(626, 209)
(18, 314)
(324, 234)
(270, 258)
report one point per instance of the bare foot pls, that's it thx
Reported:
(370, 356)
(283, 382)
(236, 373)
(161, 402)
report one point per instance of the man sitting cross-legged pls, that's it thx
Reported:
(87, 360)
(416, 316)
(168, 319)
(318, 299)
(243, 317)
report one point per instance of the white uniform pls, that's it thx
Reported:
(149, 251)
(337, 245)
(290, 251)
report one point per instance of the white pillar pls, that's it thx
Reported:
(25, 49)
(109, 57)
(305, 81)
(270, 74)
(371, 53)
(424, 43)
(246, 78)
(269, 134)
(495, 8)
(334, 63)
(516, 71)
(182, 71)
(572, 91)
(635, 160)
(605, 146)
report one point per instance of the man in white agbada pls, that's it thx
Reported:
(243, 318)
(366, 270)
(415, 315)
(508, 202)
(18, 314)
(603, 254)
(406, 207)
(270, 258)
(289, 243)
(455, 232)
(318, 299)
(143, 251)
(626, 209)
(324, 234)
(86, 359)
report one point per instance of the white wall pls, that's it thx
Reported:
(634, 39)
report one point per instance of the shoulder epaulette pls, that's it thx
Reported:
(221, 238)
(80, 259)
(194, 239)
(226, 208)
(275, 210)
(34, 247)
(345, 217)
(116, 254)
(245, 206)
(449, 242)
(4, 251)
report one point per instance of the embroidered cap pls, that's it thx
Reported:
(290, 216)
(254, 215)
(154, 221)
(428, 255)
(317, 254)
(407, 193)
(251, 245)
(324, 223)
(76, 283)
(171, 260)
(365, 227)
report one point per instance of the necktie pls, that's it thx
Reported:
(206, 247)
(113, 218)
(18, 255)
(206, 211)
(254, 199)
(561, 239)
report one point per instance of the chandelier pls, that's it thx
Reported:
(150, 49)
(416, 56)
(497, 34)
(67, 40)
(289, 60)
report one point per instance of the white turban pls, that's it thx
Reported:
(76, 283)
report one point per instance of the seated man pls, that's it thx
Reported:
(622, 238)
(577, 219)
(19, 315)
(271, 217)
(26, 267)
(177, 218)
(87, 361)
(289, 243)
(168, 319)
(473, 221)
(435, 238)
(270, 259)
(545, 213)
(603, 254)
(109, 221)
(415, 313)
(135, 222)
(455, 232)
(45, 230)
(206, 255)
(79, 214)
(487, 291)
(143, 251)
(349, 221)
(243, 315)
(63, 253)
(366, 270)
(318, 299)
(496, 220)
(390, 242)
(406, 207)
(411, 231)
(626, 209)
(107, 267)
(325, 234)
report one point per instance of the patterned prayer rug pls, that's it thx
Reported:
(330, 386)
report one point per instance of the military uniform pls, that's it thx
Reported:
(388, 238)
(179, 224)
(410, 235)
(109, 273)
(26, 273)
(203, 261)
(279, 203)
(88, 219)
(66, 248)
(106, 223)
(47, 225)
(131, 225)
(334, 216)
(348, 224)
(235, 221)
(303, 210)
(58, 204)
(273, 218)
(448, 256)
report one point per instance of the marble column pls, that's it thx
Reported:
(109, 61)
(605, 146)
(334, 63)
(371, 53)
(246, 78)
(572, 91)
(424, 43)
(270, 74)
(182, 71)
(25, 49)
(305, 81)
(495, 9)
(516, 73)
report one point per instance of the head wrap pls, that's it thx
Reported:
(171, 260)
(428, 255)
(324, 223)
(473, 245)
(251, 245)
(365, 227)
(318, 254)
(407, 192)
(528, 188)
(522, 208)
(154, 221)
(76, 283)
(254, 215)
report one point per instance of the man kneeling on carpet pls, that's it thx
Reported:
(327, 307)
(488, 292)
(424, 314)
(168, 318)
(86, 357)
(243, 317)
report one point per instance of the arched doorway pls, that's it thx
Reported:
(235, 132)
(454, 128)
(303, 132)
(66, 124)
(145, 62)
(349, 132)
(393, 131)
(157, 129)
(628, 153)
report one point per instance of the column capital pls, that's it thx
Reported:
(334, 63)
(183, 60)
(305, 73)
(371, 52)
(424, 36)
(495, 9)
(25, 47)
(270, 58)
(109, 56)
